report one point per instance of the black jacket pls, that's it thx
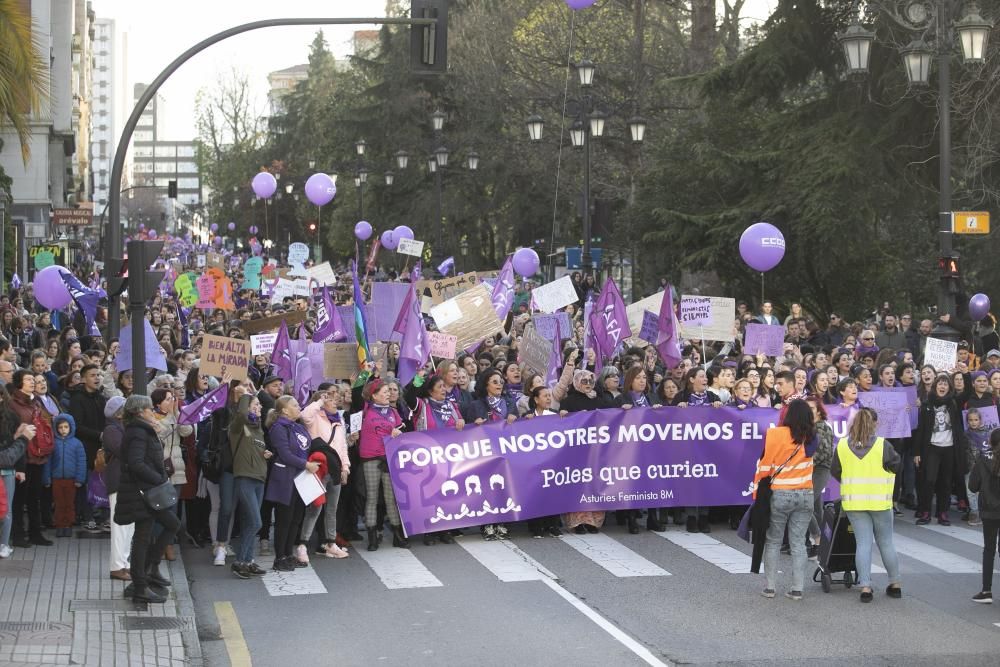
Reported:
(141, 469)
(480, 409)
(577, 401)
(925, 427)
(111, 443)
(87, 409)
(983, 481)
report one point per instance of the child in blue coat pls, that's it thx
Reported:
(65, 472)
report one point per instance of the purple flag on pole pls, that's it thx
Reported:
(303, 378)
(15, 281)
(415, 348)
(555, 361)
(281, 355)
(668, 342)
(329, 325)
(446, 266)
(182, 317)
(201, 409)
(503, 291)
(609, 321)
(85, 299)
(154, 353)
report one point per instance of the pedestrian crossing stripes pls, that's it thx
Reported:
(613, 556)
(622, 556)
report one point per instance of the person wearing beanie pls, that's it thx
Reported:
(111, 447)
(981, 395)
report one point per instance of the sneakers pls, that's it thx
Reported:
(302, 553)
(254, 569)
(923, 518)
(974, 519)
(489, 532)
(284, 564)
(867, 596)
(943, 520)
(768, 593)
(593, 530)
(5, 551)
(239, 571)
(229, 551)
(794, 595)
(580, 530)
(691, 524)
(537, 533)
(554, 531)
(220, 555)
(333, 551)
(265, 548)
(812, 551)
(502, 532)
(983, 597)
(703, 525)
(92, 527)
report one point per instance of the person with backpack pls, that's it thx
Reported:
(985, 480)
(28, 495)
(329, 448)
(65, 472)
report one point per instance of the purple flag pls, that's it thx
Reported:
(281, 355)
(417, 273)
(503, 291)
(329, 326)
(85, 299)
(15, 281)
(182, 317)
(588, 334)
(555, 361)
(609, 321)
(415, 348)
(201, 409)
(668, 341)
(446, 266)
(154, 353)
(303, 378)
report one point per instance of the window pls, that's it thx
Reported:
(144, 135)
(161, 182)
(190, 200)
(188, 183)
(143, 151)
(142, 167)
(187, 168)
(165, 151)
(185, 151)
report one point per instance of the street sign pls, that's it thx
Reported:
(75, 217)
(970, 222)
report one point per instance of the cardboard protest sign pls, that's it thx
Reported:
(555, 295)
(251, 273)
(534, 351)
(448, 288)
(696, 310)
(893, 419)
(262, 343)
(547, 326)
(186, 288)
(410, 247)
(300, 287)
(323, 274)
(470, 316)
(637, 311)
(271, 323)
(216, 259)
(340, 360)
(442, 344)
(941, 354)
(650, 327)
(199, 261)
(221, 355)
(206, 291)
(719, 327)
(765, 339)
(912, 400)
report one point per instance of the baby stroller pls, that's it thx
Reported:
(836, 549)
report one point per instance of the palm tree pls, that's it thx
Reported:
(23, 76)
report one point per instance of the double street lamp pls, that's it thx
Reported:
(589, 125)
(973, 33)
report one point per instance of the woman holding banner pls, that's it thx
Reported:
(635, 394)
(448, 371)
(582, 397)
(433, 409)
(697, 394)
(380, 421)
(493, 404)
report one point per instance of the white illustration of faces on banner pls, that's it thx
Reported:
(473, 486)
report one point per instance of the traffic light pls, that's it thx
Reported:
(172, 189)
(116, 274)
(429, 43)
(950, 273)
(141, 255)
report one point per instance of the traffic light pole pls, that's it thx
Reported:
(946, 296)
(433, 48)
(142, 286)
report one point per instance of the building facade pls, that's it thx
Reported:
(282, 82)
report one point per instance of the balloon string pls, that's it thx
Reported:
(762, 288)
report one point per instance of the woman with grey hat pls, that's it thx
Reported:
(111, 447)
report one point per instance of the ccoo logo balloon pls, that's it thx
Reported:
(762, 246)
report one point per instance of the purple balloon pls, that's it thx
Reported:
(363, 230)
(979, 306)
(264, 185)
(403, 232)
(141, 227)
(389, 240)
(526, 262)
(214, 227)
(232, 226)
(152, 234)
(253, 229)
(320, 189)
(217, 240)
(762, 246)
(50, 290)
(579, 4)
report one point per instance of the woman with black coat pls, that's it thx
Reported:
(141, 470)
(985, 480)
(493, 404)
(582, 396)
(939, 449)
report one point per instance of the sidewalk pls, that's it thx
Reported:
(59, 607)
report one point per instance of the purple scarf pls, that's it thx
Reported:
(498, 407)
(639, 399)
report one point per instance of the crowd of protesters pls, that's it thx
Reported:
(79, 449)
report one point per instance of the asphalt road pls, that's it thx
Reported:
(609, 599)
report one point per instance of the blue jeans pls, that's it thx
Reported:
(793, 508)
(877, 527)
(225, 507)
(8, 521)
(249, 495)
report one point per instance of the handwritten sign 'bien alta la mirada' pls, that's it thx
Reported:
(221, 355)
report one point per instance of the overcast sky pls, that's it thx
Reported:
(159, 31)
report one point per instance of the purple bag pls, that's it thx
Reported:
(97, 491)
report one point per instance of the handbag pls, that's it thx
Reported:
(160, 497)
(100, 461)
(97, 491)
(764, 494)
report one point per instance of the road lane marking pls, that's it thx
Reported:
(505, 560)
(974, 537)
(935, 557)
(399, 568)
(232, 634)
(300, 581)
(613, 556)
(710, 549)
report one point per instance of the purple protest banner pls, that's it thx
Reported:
(154, 353)
(599, 460)
(912, 401)
(893, 421)
(650, 327)
(987, 416)
(387, 300)
(547, 326)
(764, 339)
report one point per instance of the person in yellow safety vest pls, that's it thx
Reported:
(866, 466)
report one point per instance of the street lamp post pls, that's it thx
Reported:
(973, 32)
(589, 125)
